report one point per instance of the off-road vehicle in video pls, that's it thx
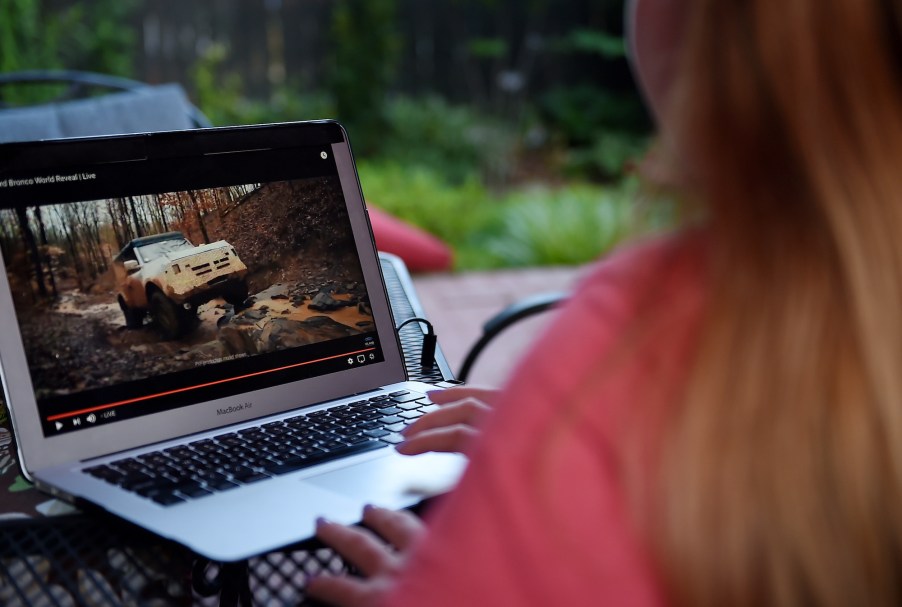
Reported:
(167, 276)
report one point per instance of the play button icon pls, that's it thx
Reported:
(59, 426)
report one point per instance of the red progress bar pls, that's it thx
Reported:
(206, 385)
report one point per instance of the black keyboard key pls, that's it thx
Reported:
(307, 451)
(152, 488)
(106, 473)
(252, 477)
(288, 466)
(390, 419)
(389, 411)
(221, 485)
(131, 481)
(376, 433)
(318, 458)
(407, 398)
(358, 438)
(329, 445)
(210, 477)
(194, 491)
(166, 499)
(411, 414)
(349, 450)
(399, 393)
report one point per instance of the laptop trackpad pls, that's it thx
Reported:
(394, 481)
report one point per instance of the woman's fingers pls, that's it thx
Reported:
(447, 429)
(341, 591)
(449, 439)
(358, 546)
(375, 558)
(468, 411)
(398, 527)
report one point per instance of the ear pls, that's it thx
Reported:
(654, 33)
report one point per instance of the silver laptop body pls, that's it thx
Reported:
(186, 297)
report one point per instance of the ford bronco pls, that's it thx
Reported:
(169, 277)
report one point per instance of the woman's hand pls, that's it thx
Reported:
(452, 427)
(379, 552)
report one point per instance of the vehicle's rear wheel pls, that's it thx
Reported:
(172, 320)
(133, 318)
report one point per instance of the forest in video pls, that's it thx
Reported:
(93, 313)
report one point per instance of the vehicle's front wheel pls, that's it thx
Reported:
(133, 318)
(237, 295)
(172, 320)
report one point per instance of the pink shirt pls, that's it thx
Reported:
(540, 517)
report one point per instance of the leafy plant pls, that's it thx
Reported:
(563, 227)
(487, 48)
(220, 95)
(365, 49)
(601, 130)
(608, 157)
(84, 36)
(572, 224)
(423, 196)
(454, 141)
(594, 41)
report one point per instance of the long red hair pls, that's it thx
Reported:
(781, 472)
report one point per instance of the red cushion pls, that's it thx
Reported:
(421, 251)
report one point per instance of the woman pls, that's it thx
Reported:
(716, 418)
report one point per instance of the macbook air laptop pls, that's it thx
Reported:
(197, 338)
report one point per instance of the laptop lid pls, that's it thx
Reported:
(126, 262)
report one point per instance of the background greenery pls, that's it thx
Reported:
(524, 167)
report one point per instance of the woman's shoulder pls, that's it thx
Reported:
(637, 279)
(654, 261)
(648, 293)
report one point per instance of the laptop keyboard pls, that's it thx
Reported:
(204, 467)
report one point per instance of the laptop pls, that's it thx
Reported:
(197, 337)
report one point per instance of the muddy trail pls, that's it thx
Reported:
(303, 274)
(81, 342)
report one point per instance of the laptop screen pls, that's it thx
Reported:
(140, 289)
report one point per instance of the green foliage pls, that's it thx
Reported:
(487, 48)
(366, 48)
(596, 42)
(561, 227)
(22, 26)
(572, 224)
(422, 196)
(602, 130)
(607, 157)
(583, 112)
(220, 96)
(455, 141)
(85, 36)
(95, 36)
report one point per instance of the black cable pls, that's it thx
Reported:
(427, 357)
